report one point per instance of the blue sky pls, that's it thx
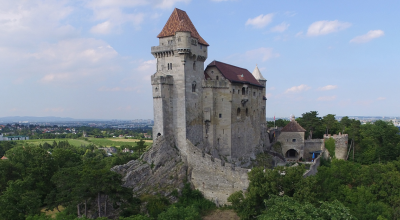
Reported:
(91, 58)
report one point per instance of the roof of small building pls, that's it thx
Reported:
(293, 126)
(234, 73)
(257, 74)
(180, 21)
(4, 158)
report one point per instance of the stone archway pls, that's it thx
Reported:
(291, 153)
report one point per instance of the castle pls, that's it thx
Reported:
(214, 117)
(221, 110)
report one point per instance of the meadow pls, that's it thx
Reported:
(104, 142)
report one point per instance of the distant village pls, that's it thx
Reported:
(25, 130)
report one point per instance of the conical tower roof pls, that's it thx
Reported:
(257, 74)
(180, 21)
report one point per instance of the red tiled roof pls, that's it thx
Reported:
(293, 126)
(180, 21)
(4, 158)
(234, 73)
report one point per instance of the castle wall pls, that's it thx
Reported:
(216, 179)
(217, 120)
(287, 143)
(341, 145)
(312, 145)
(248, 113)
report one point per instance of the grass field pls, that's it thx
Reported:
(105, 142)
(108, 142)
(75, 142)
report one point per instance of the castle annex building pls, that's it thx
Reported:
(220, 109)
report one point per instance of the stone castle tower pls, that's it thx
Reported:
(177, 90)
(219, 109)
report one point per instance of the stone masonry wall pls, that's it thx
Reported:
(312, 145)
(216, 179)
(341, 145)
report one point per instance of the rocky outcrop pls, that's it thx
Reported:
(159, 171)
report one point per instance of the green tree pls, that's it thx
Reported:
(288, 208)
(330, 122)
(312, 123)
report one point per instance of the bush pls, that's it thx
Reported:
(180, 213)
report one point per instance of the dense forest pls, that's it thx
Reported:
(77, 182)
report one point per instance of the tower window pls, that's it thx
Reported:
(194, 65)
(233, 91)
(170, 66)
(194, 86)
(238, 112)
(217, 77)
(220, 115)
(247, 112)
(293, 140)
(243, 91)
(201, 46)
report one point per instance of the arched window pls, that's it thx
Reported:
(238, 112)
(194, 86)
(243, 91)
(170, 66)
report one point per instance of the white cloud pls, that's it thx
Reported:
(328, 87)
(268, 95)
(299, 34)
(262, 52)
(280, 27)
(260, 21)
(326, 27)
(326, 98)
(381, 98)
(24, 22)
(368, 36)
(102, 28)
(296, 89)
(169, 3)
(272, 88)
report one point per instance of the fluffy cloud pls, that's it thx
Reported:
(326, 98)
(24, 22)
(260, 21)
(326, 27)
(262, 52)
(297, 89)
(368, 36)
(328, 87)
(280, 27)
(102, 28)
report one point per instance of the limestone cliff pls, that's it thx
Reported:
(159, 171)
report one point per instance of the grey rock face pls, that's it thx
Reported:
(159, 171)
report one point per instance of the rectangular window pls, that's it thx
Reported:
(293, 140)
(220, 115)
